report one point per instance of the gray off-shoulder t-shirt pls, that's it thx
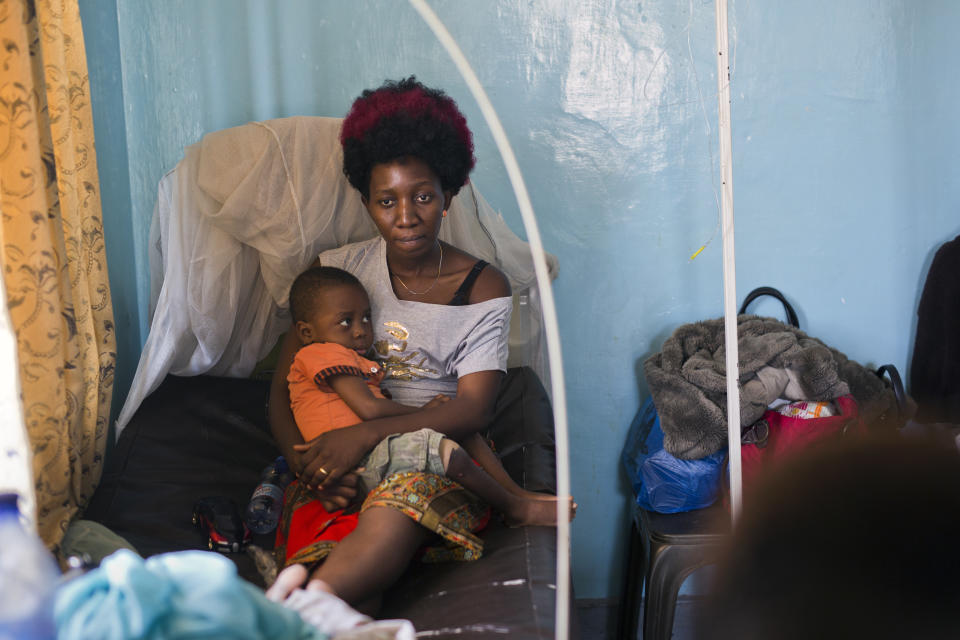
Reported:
(424, 348)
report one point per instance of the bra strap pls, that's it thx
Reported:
(463, 293)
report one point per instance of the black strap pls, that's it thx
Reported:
(463, 293)
(897, 383)
(770, 291)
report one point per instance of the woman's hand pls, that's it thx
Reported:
(338, 494)
(333, 454)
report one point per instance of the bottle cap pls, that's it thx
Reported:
(8, 504)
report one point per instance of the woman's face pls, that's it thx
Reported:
(406, 203)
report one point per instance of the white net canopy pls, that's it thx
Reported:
(247, 210)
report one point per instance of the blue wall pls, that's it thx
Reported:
(102, 42)
(844, 141)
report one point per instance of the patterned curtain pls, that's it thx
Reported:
(51, 244)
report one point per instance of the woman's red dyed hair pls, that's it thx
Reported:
(406, 119)
(408, 98)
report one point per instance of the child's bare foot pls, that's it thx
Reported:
(539, 511)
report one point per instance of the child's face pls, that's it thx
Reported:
(342, 316)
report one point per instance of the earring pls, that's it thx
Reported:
(444, 213)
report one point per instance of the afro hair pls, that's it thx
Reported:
(304, 292)
(406, 119)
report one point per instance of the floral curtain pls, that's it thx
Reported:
(51, 244)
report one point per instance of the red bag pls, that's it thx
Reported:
(776, 436)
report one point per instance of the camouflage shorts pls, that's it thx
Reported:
(401, 453)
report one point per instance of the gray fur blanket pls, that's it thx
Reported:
(687, 380)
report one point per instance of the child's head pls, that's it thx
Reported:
(330, 305)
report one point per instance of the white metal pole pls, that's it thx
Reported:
(562, 620)
(729, 263)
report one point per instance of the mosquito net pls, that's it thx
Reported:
(249, 208)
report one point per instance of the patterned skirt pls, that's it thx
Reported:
(307, 532)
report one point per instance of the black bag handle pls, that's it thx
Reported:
(770, 291)
(897, 382)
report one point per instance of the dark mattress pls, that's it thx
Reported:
(208, 436)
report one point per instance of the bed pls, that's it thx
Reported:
(208, 436)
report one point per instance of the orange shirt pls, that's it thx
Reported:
(316, 407)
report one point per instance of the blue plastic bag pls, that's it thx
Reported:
(660, 481)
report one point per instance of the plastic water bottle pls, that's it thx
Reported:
(28, 578)
(263, 512)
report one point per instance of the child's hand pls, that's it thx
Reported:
(437, 401)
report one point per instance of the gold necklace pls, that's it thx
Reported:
(435, 281)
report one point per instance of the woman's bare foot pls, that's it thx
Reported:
(293, 577)
(538, 511)
(546, 497)
(533, 495)
(315, 601)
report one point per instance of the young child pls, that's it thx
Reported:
(332, 385)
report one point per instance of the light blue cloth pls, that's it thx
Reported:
(175, 596)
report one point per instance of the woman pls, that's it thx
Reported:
(441, 320)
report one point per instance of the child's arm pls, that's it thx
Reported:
(354, 391)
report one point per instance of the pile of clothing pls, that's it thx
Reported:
(197, 594)
(687, 380)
